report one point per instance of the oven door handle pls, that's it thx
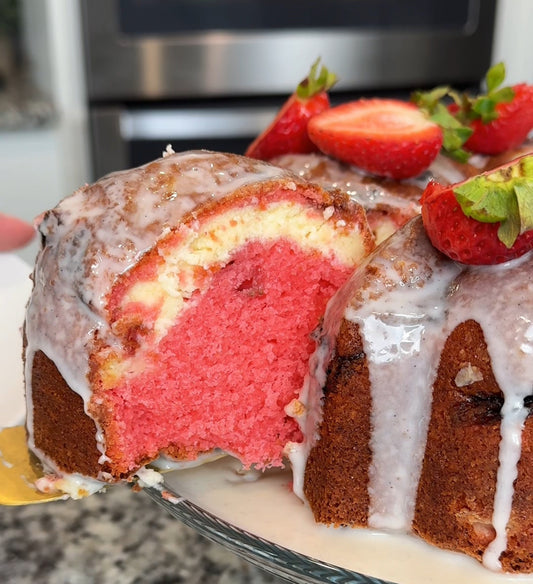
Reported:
(183, 124)
(114, 128)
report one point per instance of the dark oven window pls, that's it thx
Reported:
(162, 17)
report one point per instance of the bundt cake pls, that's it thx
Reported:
(172, 310)
(426, 367)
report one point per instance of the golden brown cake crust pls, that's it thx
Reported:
(461, 460)
(60, 426)
(336, 478)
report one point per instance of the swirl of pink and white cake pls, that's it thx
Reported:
(172, 311)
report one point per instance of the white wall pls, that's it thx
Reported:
(39, 167)
(513, 42)
(30, 175)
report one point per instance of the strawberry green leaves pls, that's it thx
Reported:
(319, 79)
(454, 132)
(457, 113)
(504, 196)
(524, 197)
(484, 106)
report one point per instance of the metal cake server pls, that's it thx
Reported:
(18, 471)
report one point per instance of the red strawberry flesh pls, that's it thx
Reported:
(386, 137)
(287, 134)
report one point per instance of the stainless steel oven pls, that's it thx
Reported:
(211, 73)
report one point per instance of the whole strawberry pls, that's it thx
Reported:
(490, 123)
(487, 219)
(510, 126)
(287, 134)
(386, 137)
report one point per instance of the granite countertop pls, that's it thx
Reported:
(120, 537)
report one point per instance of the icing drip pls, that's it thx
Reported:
(506, 316)
(513, 417)
(400, 316)
(406, 300)
(309, 417)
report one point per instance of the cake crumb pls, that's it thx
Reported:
(168, 151)
(467, 375)
(328, 212)
(295, 409)
(148, 477)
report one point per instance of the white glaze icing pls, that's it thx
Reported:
(281, 518)
(74, 485)
(308, 416)
(370, 192)
(402, 337)
(405, 311)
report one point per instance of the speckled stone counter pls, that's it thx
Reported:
(120, 537)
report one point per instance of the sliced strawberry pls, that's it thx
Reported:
(287, 134)
(386, 137)
(509, 129)
(487, 219)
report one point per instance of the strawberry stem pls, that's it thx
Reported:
(317, 81)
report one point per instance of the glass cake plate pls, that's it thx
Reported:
(260, 519)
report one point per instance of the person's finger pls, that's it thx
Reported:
(14, 233)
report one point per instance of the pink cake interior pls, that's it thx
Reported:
(225, 371)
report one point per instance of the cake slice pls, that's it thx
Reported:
(172, 311)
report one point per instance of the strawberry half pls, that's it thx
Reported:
(287, 134)
(386, 137)
(487, 219)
